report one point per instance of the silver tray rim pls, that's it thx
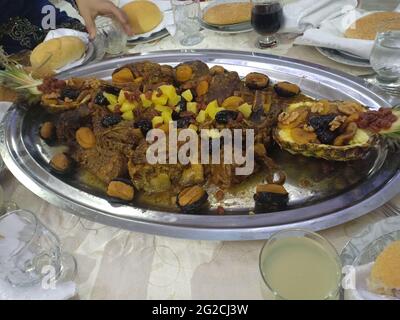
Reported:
(241, 227)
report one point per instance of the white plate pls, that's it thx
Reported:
(359, 242)
(164, 6)
(344, 57)
(388, 228)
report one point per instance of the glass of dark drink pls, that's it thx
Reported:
(266, 19)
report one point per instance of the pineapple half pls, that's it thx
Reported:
(293, 137)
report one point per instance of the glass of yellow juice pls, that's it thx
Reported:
(297, 264)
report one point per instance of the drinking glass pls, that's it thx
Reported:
(266, 19)
(30, 253)
(186, 18)
(385, 60)
(300, 264)
(111, 35)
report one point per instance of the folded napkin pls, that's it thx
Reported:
(62, 32)
(330, 34)
(303, 14)
(360, 290)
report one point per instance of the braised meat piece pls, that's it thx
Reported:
(70, 121)
(223, 86)
(155, 178)
(152, 74)
(104, 164)
(121, 137)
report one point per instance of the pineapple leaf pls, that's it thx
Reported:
(15, 77)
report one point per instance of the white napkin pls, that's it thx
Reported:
(361, 292)
(330, 35)
(57, 33)
(168, 18)
(303, 14)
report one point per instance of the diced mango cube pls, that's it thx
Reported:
(245, 109)
(145, 102)
(111, 107)
(167, 116)
(201, 117)
(168, 90)
(111, 98)
(128, 115)
(163, 108)
(187, 95)
(193, 127)
(192, 107)
(172, 102)
(157, 121)
(159, 99)
(164, 127)
(127, 106)
(121, 97)
(211, 109)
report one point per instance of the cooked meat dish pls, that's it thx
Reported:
(104, 124)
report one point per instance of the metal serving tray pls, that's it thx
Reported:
(327, 201)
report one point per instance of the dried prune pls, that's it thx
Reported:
(110, 120)
(182, 105)
(224, 116)
(191, 199)
(183, 122)
(69, 93)
(111, 89)
(100, 99)
(286, 89)
(271, 195)
(321, 127)
(175, 115)
(144, 125)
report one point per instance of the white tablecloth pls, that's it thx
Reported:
(118, 264)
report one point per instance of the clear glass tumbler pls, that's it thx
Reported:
(110, 35)
(385, 60)
(186, 18)
(298, 264)
(30, 253)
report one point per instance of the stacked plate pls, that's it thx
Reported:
(344, 57)
(240, 27)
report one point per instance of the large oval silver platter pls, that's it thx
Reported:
(374, 181)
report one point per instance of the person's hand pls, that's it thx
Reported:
(90, 9)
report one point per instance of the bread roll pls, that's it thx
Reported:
(143, 15)
(228, 13)
(368, 26)
(57, 53)
(385, 274)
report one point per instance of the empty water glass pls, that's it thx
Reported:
(186, 18)
(30, 254)
(110, 35)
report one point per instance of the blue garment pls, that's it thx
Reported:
(21, 23)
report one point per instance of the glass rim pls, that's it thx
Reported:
(305, 231)
(371, 246)
(36, 227)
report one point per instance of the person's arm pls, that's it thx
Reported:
(90, 9)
